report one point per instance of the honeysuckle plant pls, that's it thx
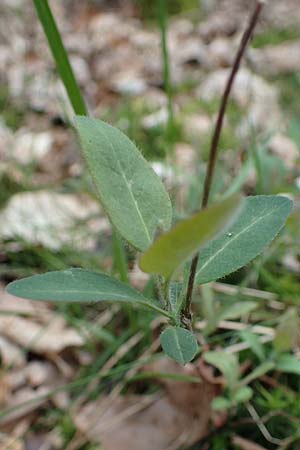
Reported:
(214, 242)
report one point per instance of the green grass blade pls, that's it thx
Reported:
(60, 56)
(162, 14)
(120, 257)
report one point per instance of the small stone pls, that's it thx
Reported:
(129, 84)
(286, 149)
(31, 147)
(155, 119)
(196, 126)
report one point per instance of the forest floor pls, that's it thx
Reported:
(74, 377)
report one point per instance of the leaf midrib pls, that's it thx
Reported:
(76, 291)
(232, 239)
(178, 347)
(129, 188)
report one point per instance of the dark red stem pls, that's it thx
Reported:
(215, 142)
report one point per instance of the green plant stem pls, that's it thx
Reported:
(187, 314)
(163, 25)
(60, 56)
(67, 76)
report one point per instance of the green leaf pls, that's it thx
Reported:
(175, 294)
(287, 332)
(179, 344)
(220, 404)
(289, 364)
(131, 193)
(227, 364)
(258, 372)
(254, 343)
(77, 285)
(243, 394)
(172, 249)
(237, 310)
(260, 220)
(60, 55)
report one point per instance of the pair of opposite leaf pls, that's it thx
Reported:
(230, 233)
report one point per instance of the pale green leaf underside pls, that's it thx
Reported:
(288, 363)
(76, 285)
(179, 344)
(237, 310)
(131, 193)
(287, 331)
(227, 364)
(259, 221)
(175, 247)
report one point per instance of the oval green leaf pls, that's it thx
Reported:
(132, 195)
(227, 364)
(77, 285)
(287, 332)
(220, 404)
(237, 310)
(288, 363)
(178, 245)
(260, 220)
(243, 394)
(179, 344)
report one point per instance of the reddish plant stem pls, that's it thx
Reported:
(215, 143)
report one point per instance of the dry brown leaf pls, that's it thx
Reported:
(11, 354)
(15, 305)
(51, 219)
(179, 415)
(16, 378)
(23, 402)
(5, 388)
(31, 147)
(40, 372)
(11, 443)
(40, 339)
(279, 59)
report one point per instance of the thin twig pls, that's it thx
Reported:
(261, 426)
(215, 141)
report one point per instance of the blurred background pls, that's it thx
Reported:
(50, 218)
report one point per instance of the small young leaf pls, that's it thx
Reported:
(227, 364)
(260, 220)
(243, 394)
(237, 310)
(254, 343)
(289, 364)
(220, 404)
(179, 344)
(258, 372)
(131, 193)
(175, 293)
(76, 285)
(172, 249)
(287, 332)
